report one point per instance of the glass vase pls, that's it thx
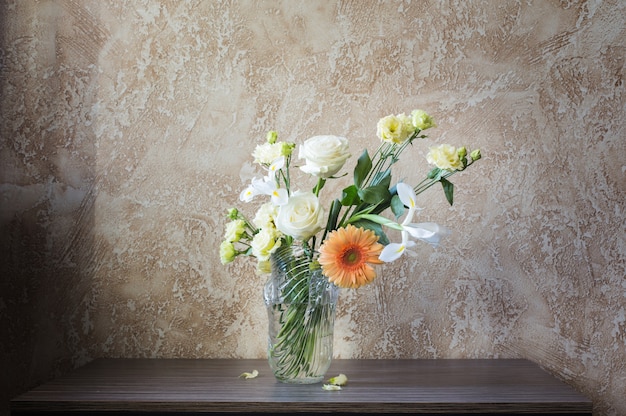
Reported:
(300, 305)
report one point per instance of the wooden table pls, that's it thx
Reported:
(210, 387)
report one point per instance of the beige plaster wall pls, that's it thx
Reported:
(125, 126)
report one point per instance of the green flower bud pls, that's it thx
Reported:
(475, 155)
(462, 152)
(287, 148)
(271, 137)
(233, 213)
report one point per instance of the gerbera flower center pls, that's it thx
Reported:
(352, 256)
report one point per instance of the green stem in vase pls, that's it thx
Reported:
(304, 316)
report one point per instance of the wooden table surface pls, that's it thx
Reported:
(175, 386)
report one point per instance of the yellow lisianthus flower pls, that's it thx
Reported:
(234, 230)
(265, 242)
(265, 215)
(445, 157)
(421, 120)
(395, 129)
(267, 153)
(227, 252)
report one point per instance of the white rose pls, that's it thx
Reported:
(301, 217)
(324, 155)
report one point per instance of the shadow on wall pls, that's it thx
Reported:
(47, 198)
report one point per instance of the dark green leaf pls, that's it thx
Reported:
(375, 194)
(382, 206)
(448, 189)
(397, 207)
(362, 169)
(350, 196)
(335, 208)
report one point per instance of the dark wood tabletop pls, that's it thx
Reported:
(213, 386)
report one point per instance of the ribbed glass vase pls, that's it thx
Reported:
(301, 310)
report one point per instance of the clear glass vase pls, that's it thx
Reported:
(301, 310)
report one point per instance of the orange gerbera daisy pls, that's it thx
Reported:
(347, 255)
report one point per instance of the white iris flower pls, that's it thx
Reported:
(427, 231)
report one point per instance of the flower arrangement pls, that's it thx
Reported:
(349, 238)
(310, 251)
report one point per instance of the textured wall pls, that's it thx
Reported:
(125, 125)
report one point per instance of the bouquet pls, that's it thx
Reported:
(349, 237)
(310, 250)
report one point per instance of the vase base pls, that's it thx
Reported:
(304, 380)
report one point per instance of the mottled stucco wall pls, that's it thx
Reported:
(125, 126)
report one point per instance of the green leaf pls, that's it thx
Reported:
(448, 189)
(335, 208)
(350, 196)
(378, 219)
(375, 194)
(362, 169)
(397, 207)
(377, 228)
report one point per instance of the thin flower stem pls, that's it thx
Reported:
(286, 174)
(386, 155)
(381, 155)
(427, 183)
